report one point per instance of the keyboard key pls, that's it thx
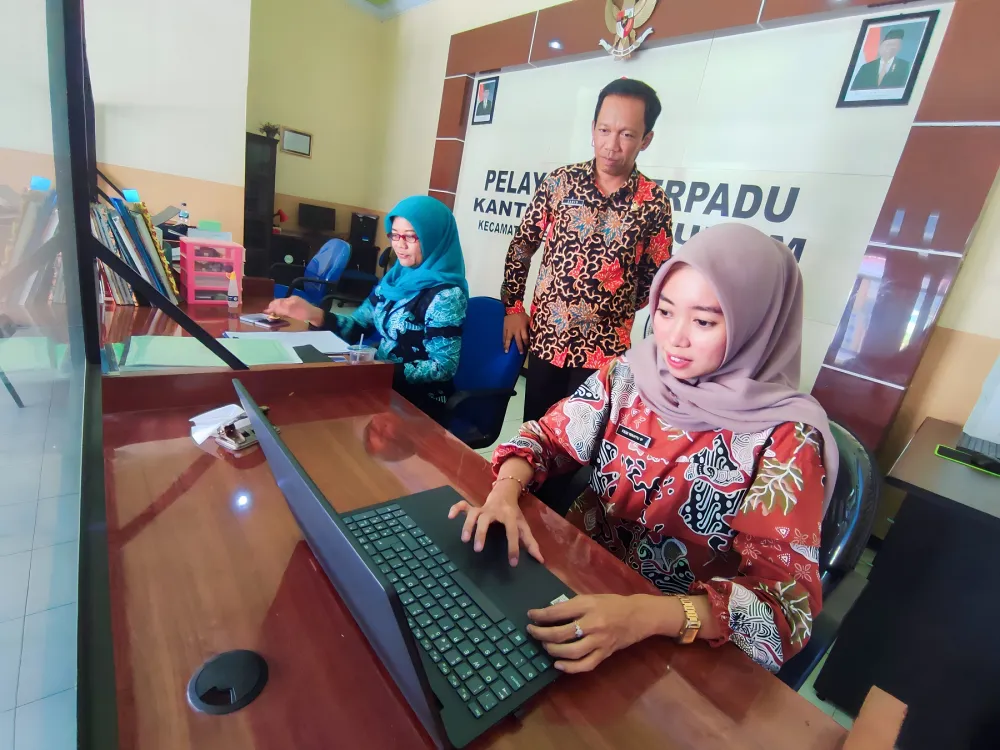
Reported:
(408, 541)
(411, 622)
(442, 644)
(483, 623)
(433, 631)
(517, 638)
(482, 601)
(381, 526)
(455, 593)
(528, 671)
(406, 555)
(418, 633)
(475, 685)
(392, 578)
(456, 614)
(374, 537)
(463, 693)
(410, 582)
(415, 531)
(423, 619)
(449, 567)
(389, 553)
(414, 565)
(453, 680)
(437, 573)
(363, 523)
(394, 507)
(385, 568)
(493, 634)
(516, 658)
(463, 601)
(428, 646)
(384, 511)
(421, 574)
(395, 563)
(426, 542)
(438, 593)
(407, 522)
(464, 671)
(465, 623)
(367, 547)
(385, 533)
(477, 660)
(415, 609)
(504, 646)
(487, 648)
(446, 625)
(445, 601)
(399, 547)
(477, 636)
(512, 678)
(352, 527)
(378, 559)
(466, 647)
(456, 635)
(489, 675)
(446, 581)
(487, 700)
(530, 650)
(445, 669)
(441, 559)
(453, 657)
(501, 690)
(400, 587)
(475, 709)
(473, 611)
(383, 545)
(406, 598)
(428, 602)
(430, 565)
(497, 661)
(419, 591)
(435, 657)
(433, 550)
(422, 556)
(541, 663)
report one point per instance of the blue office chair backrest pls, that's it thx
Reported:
(849, 519)
(327, 265)
(483, 363)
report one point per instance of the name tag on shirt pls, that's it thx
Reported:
(572, 203)
(634, 436)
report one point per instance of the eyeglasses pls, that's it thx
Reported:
(408, 237)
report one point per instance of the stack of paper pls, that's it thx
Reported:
(324, 342)
(184, 351)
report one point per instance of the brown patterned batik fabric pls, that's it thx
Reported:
(600, 255)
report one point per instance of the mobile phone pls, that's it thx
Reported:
(263, 320)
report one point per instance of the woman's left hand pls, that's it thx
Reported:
(609, 623)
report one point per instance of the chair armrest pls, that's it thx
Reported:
(460, 397)
(825, 628)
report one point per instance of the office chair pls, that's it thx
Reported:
(355, 285)
(846, 529)
(314, 280)
(486, 376)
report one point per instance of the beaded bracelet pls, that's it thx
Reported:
(524, 489)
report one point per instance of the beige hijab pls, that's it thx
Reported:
(759, 286)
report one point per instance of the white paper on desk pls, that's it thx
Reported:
(203, 426)
(325, 342)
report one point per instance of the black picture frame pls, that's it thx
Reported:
(879, 95)
(480, 115)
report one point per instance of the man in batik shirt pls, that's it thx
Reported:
(606, 229)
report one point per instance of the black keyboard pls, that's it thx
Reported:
(978, 445)
(484, 657)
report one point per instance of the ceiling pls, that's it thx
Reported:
(387, 8)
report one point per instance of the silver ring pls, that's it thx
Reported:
(579, 630)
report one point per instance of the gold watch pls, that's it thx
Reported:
(692, 623)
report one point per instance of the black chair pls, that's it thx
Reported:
(846, 529)
(355, 285)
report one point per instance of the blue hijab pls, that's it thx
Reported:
(442, 261)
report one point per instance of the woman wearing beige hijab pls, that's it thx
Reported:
(711, 471)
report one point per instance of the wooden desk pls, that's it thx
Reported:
(924, 627)
(193, 573)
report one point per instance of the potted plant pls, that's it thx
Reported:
(269, 129)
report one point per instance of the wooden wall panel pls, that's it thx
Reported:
(865, 406)
(943, 171)
(578, 25)
(455, 101)
(964, 85)
(778, 9)
(499, 45)
(447, 199)
(447, 164)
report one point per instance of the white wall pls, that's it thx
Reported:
(170, 84)
(740, 109)
(24, 83)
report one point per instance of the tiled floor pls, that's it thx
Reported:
(39, 530)
(510, 427)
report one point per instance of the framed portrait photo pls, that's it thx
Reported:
(485, 101)
(886, 60)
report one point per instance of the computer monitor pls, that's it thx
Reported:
(984, 421)
(317, 218)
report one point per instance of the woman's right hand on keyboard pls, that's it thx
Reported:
(501, 507)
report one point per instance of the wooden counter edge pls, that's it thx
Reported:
(878, 723)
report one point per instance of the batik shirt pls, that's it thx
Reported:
(601, 253)
(735, 516)
(422, 333)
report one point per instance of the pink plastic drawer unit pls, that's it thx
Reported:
(205, 269)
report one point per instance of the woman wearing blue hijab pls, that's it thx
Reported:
(417, 309)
